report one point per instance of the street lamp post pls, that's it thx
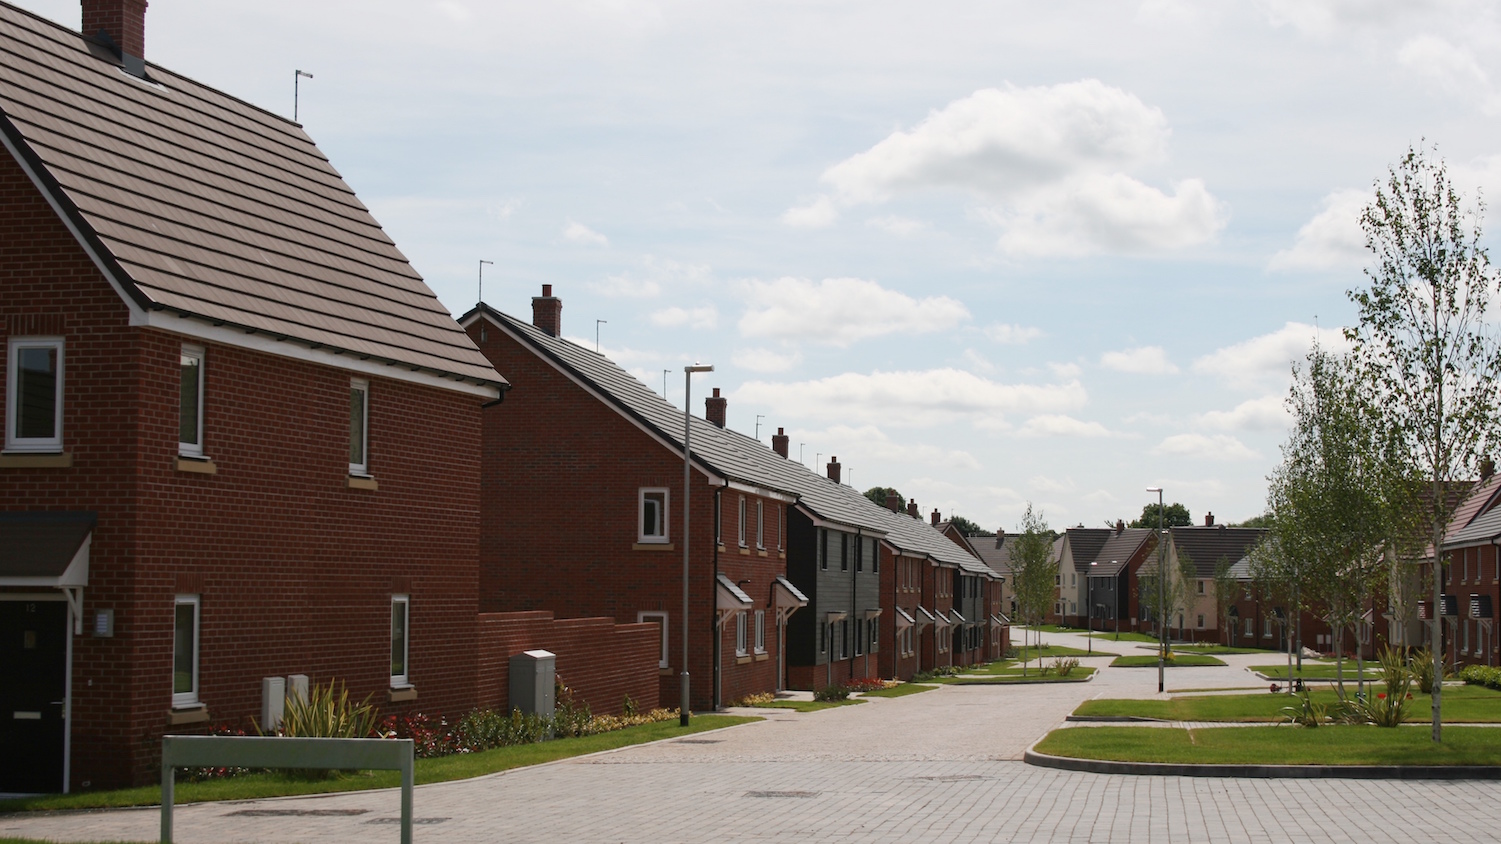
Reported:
(1089, 599)
(1161, 595)
(683, 708)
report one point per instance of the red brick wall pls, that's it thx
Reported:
(601, 661)
(559, 515)
(295, 569)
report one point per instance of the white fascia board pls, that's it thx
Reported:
(713, 479)
(350, 361)
(170, 321)
(739, 486)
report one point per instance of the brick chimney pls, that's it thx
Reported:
(912, 508)
(893, 503)
(779, 443)
(936, 517)
(547, 312)
(1000, 538)
(1487, 468)
(1120, 526)
(124, 21)
(714, 408)
(834, 468)
(1208, 520)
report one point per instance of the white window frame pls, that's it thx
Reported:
(641, 535)
(661, 618)
(362, 469)
(760, 642)
(740, 649)
(1201, 621)
(189, 698)
(404, 680)
(13, 440)
(760, 525)
(742, 522)
(192, 449)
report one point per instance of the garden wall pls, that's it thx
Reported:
(601, 661)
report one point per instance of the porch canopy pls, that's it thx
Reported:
(48, 550)
(786, 598)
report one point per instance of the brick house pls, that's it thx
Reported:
(1112, 586)
(1472, 579)
(1081, 547)
(227, 393)
(1206, 547)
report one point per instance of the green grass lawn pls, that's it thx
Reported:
(1032, 652)
(1462, 704)
(901, 691)
(1315, 670)
(1123, 636)
(1221, 649)
(807, 705)
(1278, 745)
(1056, 628)
(1012, 676)
(443, 769)
(1179, 660)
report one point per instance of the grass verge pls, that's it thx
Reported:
(1462, 704)
(901, 691)
(442, 769)
(1221, 649)
(1179, 660)
(1314, 671)
(808, 705)
(1278, 745)
(1048, 651)
(1078, 675)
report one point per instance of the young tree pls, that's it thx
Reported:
(1226, 587)
(1034, 570)
(1428, 361)
(1172, 594)
(1278, 580)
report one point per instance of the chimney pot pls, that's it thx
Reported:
(714, 408)
(1000, 537)
(834, 469)
(779, 443)
(893, 502)
(547, 312)
(1120, 526)
(1208, 520)
(124, 21)
(936, 517)
(912, 508)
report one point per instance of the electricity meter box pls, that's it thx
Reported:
(532, 679)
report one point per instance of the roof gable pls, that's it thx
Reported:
(1206, 546)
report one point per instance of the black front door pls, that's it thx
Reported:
(33, 682)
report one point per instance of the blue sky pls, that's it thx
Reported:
(985, 252)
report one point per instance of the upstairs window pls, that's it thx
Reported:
(653, 515)
(761, 525)
(823, 549)
(190, 402)
(34, 394)
(742, 521)
(359, 427)
(844, 552)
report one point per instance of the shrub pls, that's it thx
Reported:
(327, 712)
(430, 736)
(1481, 675)
(758, 699)
(484, 729)
(1421, 665)
(831, 693)
(570, 718)
(865, 684)
(945, 671)
(201, 774)
(1307, 713)
(1065, 665)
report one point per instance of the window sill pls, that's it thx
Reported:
(21, 460)
(743, 660)
(760, 553)
(654, 546)
(360, 482)
(762, 657)
(665, 672)
(195, 714)
(197, 465)
(744, 551)
(402, 695)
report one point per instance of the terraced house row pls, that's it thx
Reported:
(247, 449)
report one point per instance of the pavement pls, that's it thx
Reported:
(939, 766)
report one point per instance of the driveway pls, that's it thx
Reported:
(938, 766)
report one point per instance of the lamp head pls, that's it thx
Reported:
(1154, 489)
(699, 367)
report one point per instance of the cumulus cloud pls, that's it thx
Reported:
(1268, 413)
(914, 398)
(1332, 239)
(1013, 334)
(978, 362)
(1045, 484)
(817, 214)
(1066, 371)
(576, 232)
(1452, 67)
(1058, 425)
(706, 316)
(899, 226)
(1142, 360)
(1051, 162)
(1268, 359)
(766, 360)
(1323, 17)
(1202, 447)
(868, 444)
(841, 311)
(650, 277)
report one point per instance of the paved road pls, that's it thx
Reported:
(939, 766)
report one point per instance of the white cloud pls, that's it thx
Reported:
(1044, 484)
(1100, 496)
(650, 277)
(1066, 371)
(899, 226)
(914, 398)
(766, 360)
(815, 215)
(1268, 413)
(1013, 334)
(579, 233)
(1268, 359)
(1324, 17)
(1202, 447)
(1332, 239)
(841, 311)
(456, 12)
(1057, 425)
(1053, 160)
(1142, 360)
(1452, 67)
(978, 362)
(703, 317)
(868, 446)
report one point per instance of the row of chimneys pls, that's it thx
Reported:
(547, 316)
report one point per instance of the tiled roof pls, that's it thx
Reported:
(731, 454)
(1085, 544)
(204, 206)
(1475, 506)
(1118, 550)
(995, 551)
(1206, 546)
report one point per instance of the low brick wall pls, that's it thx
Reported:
(601, 661)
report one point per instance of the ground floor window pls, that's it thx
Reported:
(740, 633)
(660, 618)
(185, 650)
(400, 634)
(760, 631)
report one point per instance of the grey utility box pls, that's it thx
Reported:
(532, 682)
